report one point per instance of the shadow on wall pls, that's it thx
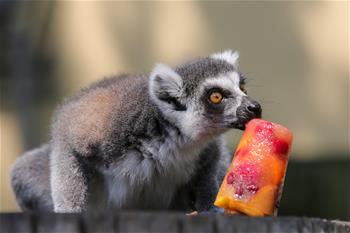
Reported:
(317, 189)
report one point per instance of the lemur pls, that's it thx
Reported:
(140, 141)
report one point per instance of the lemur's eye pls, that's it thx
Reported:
(242, 87)
(216, 97)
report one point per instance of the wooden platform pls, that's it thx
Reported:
(162, 222)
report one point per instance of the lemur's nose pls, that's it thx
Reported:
(255, 108)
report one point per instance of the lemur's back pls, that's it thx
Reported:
(82, 118)
(85, 119)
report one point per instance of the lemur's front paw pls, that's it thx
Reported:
(211, 210)
(193, 213)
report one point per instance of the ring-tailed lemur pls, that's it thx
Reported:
(139, 142)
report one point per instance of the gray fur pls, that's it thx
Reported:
(197, 71)
(134, 142)
(30, 177)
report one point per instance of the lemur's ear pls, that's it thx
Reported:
(228, 56)
(165, 83)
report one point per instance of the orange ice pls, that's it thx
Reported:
(254, 181)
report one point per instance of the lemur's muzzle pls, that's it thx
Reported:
(249, 109)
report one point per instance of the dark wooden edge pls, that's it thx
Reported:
(161, 222)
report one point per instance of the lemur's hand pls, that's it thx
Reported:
(212, 210)
(193, 213)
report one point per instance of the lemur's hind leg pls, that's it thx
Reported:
(30, 178)
(69, 183)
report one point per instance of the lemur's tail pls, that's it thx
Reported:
(30, 179)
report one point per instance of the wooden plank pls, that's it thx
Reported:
(148, 222)
(59, 223)
(162, 222)
(341, 226)
(277, 225)
(99, 223)
(199, 223)
(16, 223)
(239, 223)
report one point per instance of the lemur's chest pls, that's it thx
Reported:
(149, 177)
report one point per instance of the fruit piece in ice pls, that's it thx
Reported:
(254, 181)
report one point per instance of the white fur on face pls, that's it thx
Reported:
(228, 56)
(190, 121)
(229, 81)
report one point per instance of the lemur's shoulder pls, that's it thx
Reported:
(83, 120)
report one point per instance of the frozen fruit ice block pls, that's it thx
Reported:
(254, 181)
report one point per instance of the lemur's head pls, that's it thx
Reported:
(205, 96)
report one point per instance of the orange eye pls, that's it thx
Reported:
(215, 97)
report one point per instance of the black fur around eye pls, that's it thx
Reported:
(214, 100)
(223, 92)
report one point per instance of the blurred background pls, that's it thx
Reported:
(295, 55)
